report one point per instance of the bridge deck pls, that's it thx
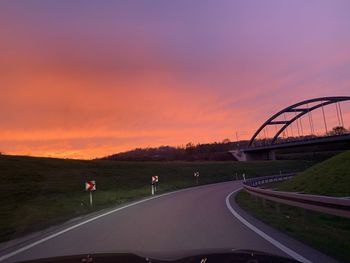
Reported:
(290, 144)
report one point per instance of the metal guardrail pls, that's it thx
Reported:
(268, 179)
(325, 204)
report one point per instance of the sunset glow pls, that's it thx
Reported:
(86, 79)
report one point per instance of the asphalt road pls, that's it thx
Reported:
(191, 219)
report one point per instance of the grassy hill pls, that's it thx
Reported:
(327, 233)
(38, 192)
(330, 177)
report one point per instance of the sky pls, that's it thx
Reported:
(86, 79)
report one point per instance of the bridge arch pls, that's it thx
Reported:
(300, 109)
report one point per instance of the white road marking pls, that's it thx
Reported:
(259, 232)
(273, 241)
(22, 249)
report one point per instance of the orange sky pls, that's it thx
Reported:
(85, 81)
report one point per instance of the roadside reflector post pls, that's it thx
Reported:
(196, 175)
(90, 186)
(154, 182)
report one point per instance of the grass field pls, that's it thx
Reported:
(38, 192)
(330, 177)
(327, 233)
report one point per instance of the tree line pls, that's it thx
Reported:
(217, 151)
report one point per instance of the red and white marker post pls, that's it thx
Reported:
(90, 186)
(155, 180)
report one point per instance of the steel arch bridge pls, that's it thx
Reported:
(300, 109)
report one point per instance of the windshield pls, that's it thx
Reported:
(175, 130)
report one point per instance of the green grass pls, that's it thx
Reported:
(327, 233)
(38, 192)
(330, 177)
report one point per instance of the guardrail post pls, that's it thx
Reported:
(252, 197)
(304, 214)
(278, 208)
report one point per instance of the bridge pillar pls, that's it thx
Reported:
(243, 156)
(239, 155)
(272, 155)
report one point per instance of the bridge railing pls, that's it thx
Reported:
(280, 141)
(283, 141)
(330, 205)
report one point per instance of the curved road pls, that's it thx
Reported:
(191, 219)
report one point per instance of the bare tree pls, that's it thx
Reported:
(227, 140)
(338, 130)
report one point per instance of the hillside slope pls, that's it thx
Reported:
(330, 177)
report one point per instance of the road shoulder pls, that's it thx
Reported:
(294, 245)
